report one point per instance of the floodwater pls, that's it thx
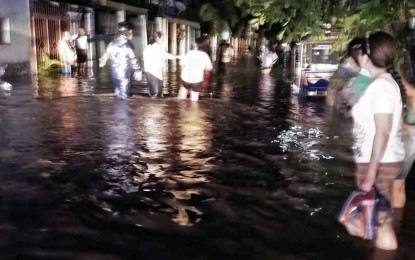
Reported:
(249, 172)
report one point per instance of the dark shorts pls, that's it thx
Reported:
(81, 56)
(196, 87)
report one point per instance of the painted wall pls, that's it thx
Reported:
(19, 49)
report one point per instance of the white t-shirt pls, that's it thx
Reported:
(66, 52)
(268, 59)
(154, 58)
(194, 63)
(381, 97)
(81, 41)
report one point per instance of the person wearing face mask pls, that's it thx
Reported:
(124, 63)
(341, 81)
(349, 81)
(363, 78)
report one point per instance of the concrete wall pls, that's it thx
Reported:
(18, 53)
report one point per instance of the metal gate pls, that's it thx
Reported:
(48, 22)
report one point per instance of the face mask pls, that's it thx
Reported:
(346, 70)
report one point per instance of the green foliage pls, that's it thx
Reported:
(220, 14)
(349, 18)
(388, 15)
(296, 19)
(48, 66)
(224, 14)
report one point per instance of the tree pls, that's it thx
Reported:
(295, 18)
(350, 18)
(218, 15)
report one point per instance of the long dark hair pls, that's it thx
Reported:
(381, 49)
(355, 48)
(203, 44)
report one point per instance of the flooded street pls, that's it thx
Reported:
(250, 171)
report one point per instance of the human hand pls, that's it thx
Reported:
(367, 183)
(102, 62)
(138, 75)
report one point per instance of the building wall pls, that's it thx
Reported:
(18, 52)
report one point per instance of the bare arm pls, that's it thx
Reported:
(170, 56)
(209, 64)
(410, 89)
(383, 123)
(104, 58)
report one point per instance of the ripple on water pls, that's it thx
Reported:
(251, 173)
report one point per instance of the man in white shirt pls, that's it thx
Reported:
(154, 56)
(81, 46)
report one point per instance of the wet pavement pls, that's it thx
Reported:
(248, 172)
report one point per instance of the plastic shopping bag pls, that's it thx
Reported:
(363, 212)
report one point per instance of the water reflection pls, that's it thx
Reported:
(266, 87)
(153, 134)
(252, 173)
(68, 86)
(87, 86)
(68, 120)
(188, 171)
(5, 88)
(195, 134)
(121, 131)
(54, 86)
(223, 88)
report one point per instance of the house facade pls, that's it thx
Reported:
(32, 28)
(15, 36)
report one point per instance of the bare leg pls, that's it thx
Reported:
(397, 221)
(386, 238)
(81, 70)
(380, 254)
(182, 93)
(398, 197)
(194, 96)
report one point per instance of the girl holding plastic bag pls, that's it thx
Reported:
(378, 149)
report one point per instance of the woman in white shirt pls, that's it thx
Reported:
(67, 53)
(194, 63)
(378, 148)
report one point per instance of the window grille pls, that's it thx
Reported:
(4, 30)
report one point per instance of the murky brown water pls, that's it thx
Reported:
(249, 172)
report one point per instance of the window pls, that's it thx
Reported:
(4, 30)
